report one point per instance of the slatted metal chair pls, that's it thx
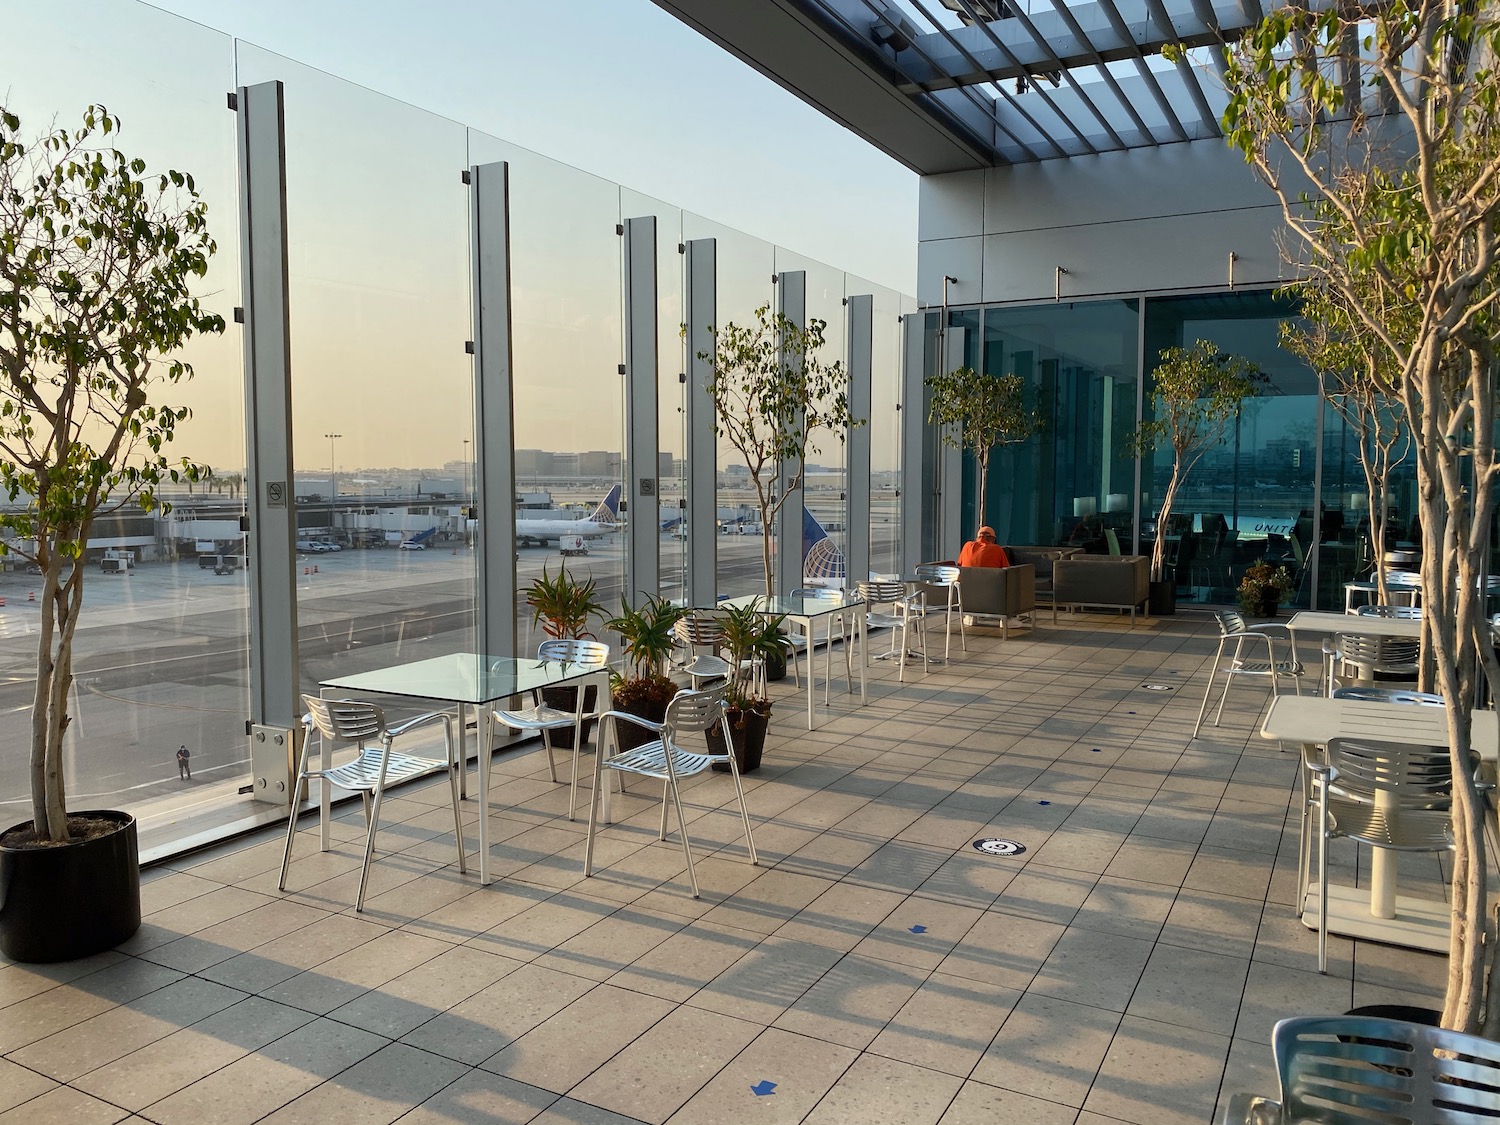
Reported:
(1370, 656)
(887, 605)
(545, 719)
(371, 771)
(834, 621)
(938, 592)
(1359, 1070)
(1243, 642)
(666, 760)
(1400, 612)
(1387, 795)
(701, 636)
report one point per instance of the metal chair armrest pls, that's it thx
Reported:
(428, 719)
(648, 724)
(1270, 627)
(1251, 1109)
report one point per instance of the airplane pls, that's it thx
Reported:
(821, 557)
(603, 520)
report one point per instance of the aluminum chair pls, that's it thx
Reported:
(370, 771)
(544, 719)
(1402, 612)
(665, 759)
(845, 638)
(898, 620)
(1357, 1070)
(1405, 583)
(938, 591)
(1389, 695)
(1247, 640)
(702, 637)
(1370, 655)
(1387, 795)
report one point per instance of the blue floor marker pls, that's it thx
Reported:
(919, 929)
(763, 1087)
(1044, 802)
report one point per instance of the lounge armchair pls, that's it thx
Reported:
(1000, 593)
(1112, 581)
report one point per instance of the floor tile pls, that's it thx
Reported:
(1050, 1049)
(800, 1070)
(1159, 1074)
(877, 1091)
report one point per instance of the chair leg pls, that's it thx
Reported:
(739, 791)
(364, 875)
(1208, 690)
(291, 827)
(588, 846)
(454, 768)
(547, 742)
(665, 786)
(687, 849)
(1323, 879)
(1229, 679)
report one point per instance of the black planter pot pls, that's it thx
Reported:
(628, 735)
(747, 737)
(62, 903)
(1161, 597)
(566, 699)
(776, 666)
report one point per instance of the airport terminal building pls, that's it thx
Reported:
(513, 330)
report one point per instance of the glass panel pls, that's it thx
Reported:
(671, 390)
(824, 489)
(1252, 499)
(1072, 482)
(745, 268)
(884, 422)
(382, 399)
(463, 677)
(567, 333)
(160, 651)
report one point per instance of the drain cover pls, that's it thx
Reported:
(999, 847)
(1157, 687)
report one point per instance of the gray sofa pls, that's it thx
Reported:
(1112, 581)
(1042, 560)
(999, 592)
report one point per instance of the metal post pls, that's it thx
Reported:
(643, 535)
(791, 302)
(861, 332)
(702, 437)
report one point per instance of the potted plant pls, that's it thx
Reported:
(771, 393)
(562, 606)
(1195, 394)
(646, 643)
(1264, 588)
(97, 267)
(750, 636)
(978, 412)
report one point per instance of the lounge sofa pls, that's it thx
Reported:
(1041, 560)
(999, 592)
(1111, 581)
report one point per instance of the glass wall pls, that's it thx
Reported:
(1073, 482)
(884, 422)
(1253, 498)
(567, 344)
(382, 411)
(161, 654)
(745, 268)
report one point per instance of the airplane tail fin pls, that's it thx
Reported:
(821, 557)
(608, 511)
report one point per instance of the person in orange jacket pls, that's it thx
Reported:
(983, 550)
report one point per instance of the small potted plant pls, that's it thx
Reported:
(562, 607)
(1264, 588)
(646, 643)
(749, 636)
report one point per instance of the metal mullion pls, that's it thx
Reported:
(989, 111)
(1063, 69)
(1015, 62)
(1184, 68)
(1205, 12)
(1163, 103)
(1061, 8)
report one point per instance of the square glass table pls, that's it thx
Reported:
(469, 679)
(806, 611)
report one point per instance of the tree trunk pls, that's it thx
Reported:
(1163, 521)
(984, 479)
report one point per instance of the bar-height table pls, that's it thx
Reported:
(806, 611)
(470, 679)
(1314, 722)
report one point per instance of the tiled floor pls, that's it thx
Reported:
(875, 968)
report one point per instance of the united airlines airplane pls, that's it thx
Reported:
(603, 520)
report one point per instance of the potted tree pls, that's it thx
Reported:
(1196, 392)
(772, 392)
(1264, 588)
(646, 643)
(978, 412)
(750, 637)
(562, 607)
(1403, 237)
(97, 266)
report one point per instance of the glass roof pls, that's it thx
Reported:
(1027, 80)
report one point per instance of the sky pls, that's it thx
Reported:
(621, 89)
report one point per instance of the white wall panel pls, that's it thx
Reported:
(950, 206)
(962, 258)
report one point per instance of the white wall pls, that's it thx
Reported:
(1141, 220)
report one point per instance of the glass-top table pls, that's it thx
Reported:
(469, 679)
(804, 612)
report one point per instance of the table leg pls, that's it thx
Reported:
(486, 742)
(463, 752)
(812, 670)
(1383, 870)
(861, 618)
